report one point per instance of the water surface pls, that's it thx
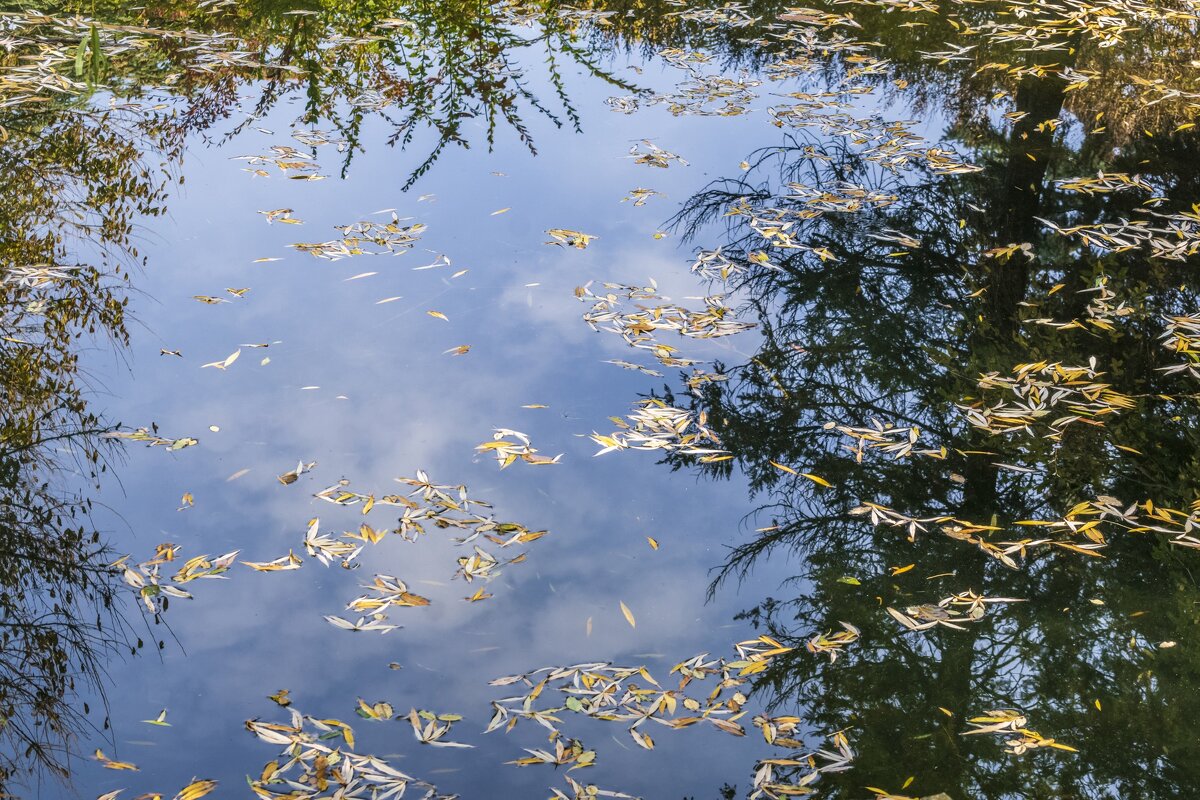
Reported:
(889, 493)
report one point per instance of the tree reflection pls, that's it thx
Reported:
(419, 66)
(73, 186)
(909, 285)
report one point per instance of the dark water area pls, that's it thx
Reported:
(648, 399)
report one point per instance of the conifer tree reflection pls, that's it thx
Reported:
(903, 296)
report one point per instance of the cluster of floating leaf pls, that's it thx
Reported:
(388, 238)
(309, 768)
(154, 589)
(293, 163)
(631, 695)
(198, 788)
(384, 592)
(897, 441)
(727, 15)
(1104, 308)
(509, 446)
(1010, 723)
(713, 265)
(976, 534)
(795, 774)
(1175, 237)
(1043, 392)
(887, 143)
(648, 153)
(1083, 529)
(831, 643)
(1088, 518)
(152, 439)
(440, 505)
(640, 328)
(564, 237)
(698, 95)
(611, 693)
(640, 195)
(1182, 337)
(950, 612)
(431, 729)
(654, 425)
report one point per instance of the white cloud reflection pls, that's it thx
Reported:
(408, 407)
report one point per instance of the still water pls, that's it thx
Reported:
(648, 400)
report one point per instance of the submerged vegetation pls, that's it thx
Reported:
(962, 393)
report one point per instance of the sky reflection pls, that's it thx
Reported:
(391, 402)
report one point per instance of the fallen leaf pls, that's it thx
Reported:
(160, 720)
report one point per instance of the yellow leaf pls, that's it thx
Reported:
(108, 763)
(900, 570)
(628, 615)
(777, 465)
(653, 542)
(480, 594)
(196, 789)
(817, 479)
(438, 315)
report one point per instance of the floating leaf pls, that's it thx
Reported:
(108, 763)
(160, 720)
(196, 789)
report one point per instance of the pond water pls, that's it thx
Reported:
(645, 399)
